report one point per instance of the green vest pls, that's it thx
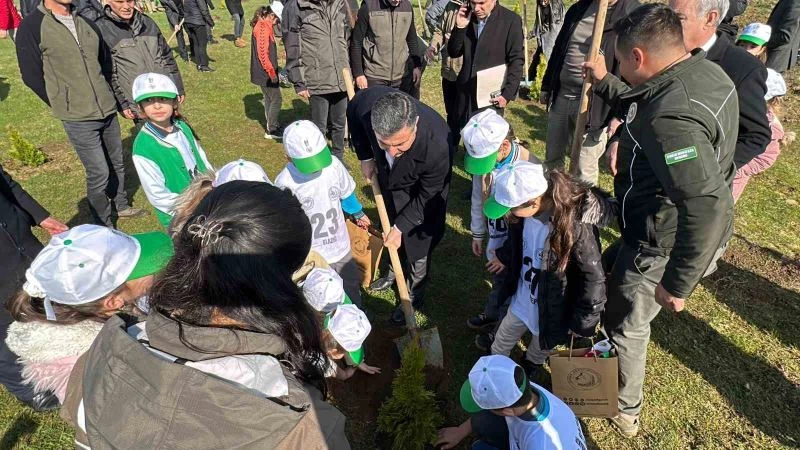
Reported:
(168, 158)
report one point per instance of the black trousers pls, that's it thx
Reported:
(181, 40)
(329, 113)
(198, 36)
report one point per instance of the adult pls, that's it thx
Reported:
(316, 35)
(675, 166)
(384, 38)
(198, 23)
(785, 40)
(700, 20)
(137, 46)
(18, 213)
(237, 15)
(486, 35)
(727, 28)
(229, 342)
(174, 11)
(546, 27)
(563, 82)
(441, 17)
(74, 81)
(405, 143)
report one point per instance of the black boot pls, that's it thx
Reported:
(382, 284)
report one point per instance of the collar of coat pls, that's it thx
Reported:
(135, 23)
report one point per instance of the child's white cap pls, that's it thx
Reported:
(492, 385)
(518, 183)
(756, 33)
(88, 262)
(324, 290)
(776, 85)
(306, 146)
(242, 170)
(350, 327)
(483, 135)
(148, 85)
(277, 8)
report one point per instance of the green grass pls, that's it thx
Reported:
(723, 374)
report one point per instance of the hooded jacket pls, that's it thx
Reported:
(573, 299)
(161, 391)
(675, 165)
(137, 47)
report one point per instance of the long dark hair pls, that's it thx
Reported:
(567, 195)
(24, 308)
(235, 256)
(261, 12)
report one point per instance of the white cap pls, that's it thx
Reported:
(491, 384)
(324, 290)
(483, 135)
(242, 170)
(88, 262)
(776, 85)
(756, 33)
(350, 327)
(306, 146)
(514, 185)
(148, 85)
(277, 8)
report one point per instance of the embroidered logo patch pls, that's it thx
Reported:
(632, 112)
(681, 155)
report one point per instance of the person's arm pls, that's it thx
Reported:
(609, 89)
(455, 45)
(357, 41)
(204, 12)
(685, 163)
(358, 131)
(590, 293)
(412, 42)
(448, 438)
(433, 18)
(154, 185)
(24, 200)
(515, 59)
(29, 56)
(431, 183)
(290, 24)
(477, 222)
(754, 131)
(347, 187)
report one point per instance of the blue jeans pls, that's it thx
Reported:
(480, 445)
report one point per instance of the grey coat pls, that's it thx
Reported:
(785, 41)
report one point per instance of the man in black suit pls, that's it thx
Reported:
(18, 213)
(406, 145)
(486, 35)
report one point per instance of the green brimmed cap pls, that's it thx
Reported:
(149, 85)
(307, 147)
(483, 135)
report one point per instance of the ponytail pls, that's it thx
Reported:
(187, 202)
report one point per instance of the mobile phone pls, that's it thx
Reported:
(493, 95)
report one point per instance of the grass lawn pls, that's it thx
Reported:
(723, 374)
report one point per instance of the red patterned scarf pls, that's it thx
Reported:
(265, 36)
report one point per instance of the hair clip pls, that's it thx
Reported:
(207, 231)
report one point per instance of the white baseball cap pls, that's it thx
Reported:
(240, 170)
(756, 33)
(483, 135)
(148, 85)
(324, 290)
(350, 327)
(776, 85)
(514, 185)
(492, 384)
(88, 262)
(277, 8)
(306, 146)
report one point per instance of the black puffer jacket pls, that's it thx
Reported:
(195, 12)
(573, 299)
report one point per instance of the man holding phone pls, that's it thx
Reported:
(486, 35)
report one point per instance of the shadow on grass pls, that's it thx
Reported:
(22, 426)
(83, 214)
(536, 117)
(754, 388)
(5, 88)
(254, 108)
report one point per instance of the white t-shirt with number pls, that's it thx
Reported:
(321, 195)
(525, 302)
(551, 426)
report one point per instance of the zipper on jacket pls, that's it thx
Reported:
(83, 59)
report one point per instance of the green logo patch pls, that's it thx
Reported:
(681, 155)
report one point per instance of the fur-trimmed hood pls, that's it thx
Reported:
(599, 208)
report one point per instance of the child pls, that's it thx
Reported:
(534, 419)
(491, 146)
(776, 89)
(166, 153)
(327, 191)
(264, 64)
(345, 327)
(83, 276)
(754, 39)
(555, 280)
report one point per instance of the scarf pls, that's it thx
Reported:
(265, 36)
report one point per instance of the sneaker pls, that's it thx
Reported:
(484, 341)
(275, 135)
(481, 322)
(240, 43)
(626, 424)
(130, 211)
(205, 69)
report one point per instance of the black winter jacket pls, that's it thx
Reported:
(573, 299)
(195, 12)
(600, 112)
(258, 75)
(174, 11)
(750, 78)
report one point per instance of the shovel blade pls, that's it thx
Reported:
(430, 343)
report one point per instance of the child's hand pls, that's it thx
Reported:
(363, 222)
(372, 370)
(495, 266)
(477, 247)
